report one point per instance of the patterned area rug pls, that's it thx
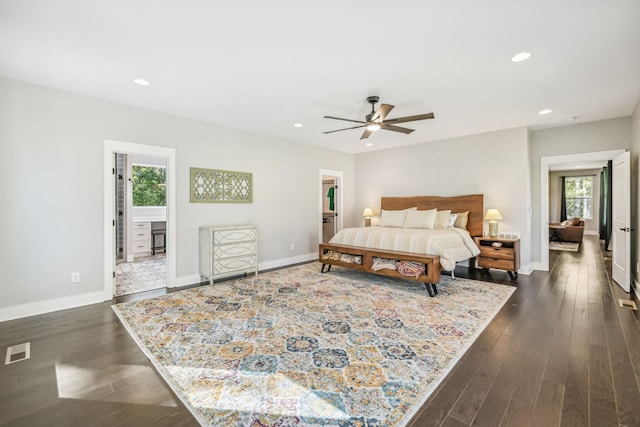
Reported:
(142, 274)
(564, 246)
(296, 347)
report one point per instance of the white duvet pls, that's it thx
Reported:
(451, 244)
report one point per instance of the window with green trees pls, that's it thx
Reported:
(578, 191)
(149, 185)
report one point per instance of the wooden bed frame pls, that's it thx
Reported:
(472, 203)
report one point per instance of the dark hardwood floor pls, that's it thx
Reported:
(560, 353)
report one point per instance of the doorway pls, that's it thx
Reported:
(330, 211)
(140, 225)
(546, 163)
(113, 241)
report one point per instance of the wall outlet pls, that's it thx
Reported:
(293, 246)
(75, 277)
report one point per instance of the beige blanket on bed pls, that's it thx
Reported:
(451, 244)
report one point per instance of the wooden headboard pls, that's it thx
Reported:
(472, 203)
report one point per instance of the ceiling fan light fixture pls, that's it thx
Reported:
(373, 127)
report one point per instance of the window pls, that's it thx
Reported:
(149, 185)
(578, 191)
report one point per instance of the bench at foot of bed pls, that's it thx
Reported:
(365, 257)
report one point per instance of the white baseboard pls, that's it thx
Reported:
(48, 306)
(591, 233)
(525, 269)
(192, 279)
(287, 261)
(635, 289)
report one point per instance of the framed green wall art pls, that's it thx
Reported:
(220, 186)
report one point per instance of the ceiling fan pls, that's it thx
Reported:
(376, 120)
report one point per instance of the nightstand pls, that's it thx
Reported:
(500, 254)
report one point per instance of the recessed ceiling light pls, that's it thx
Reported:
(545, 111)
(570, 119)
(519, 57)
(369, 144)
(297, 125)
(141, 82)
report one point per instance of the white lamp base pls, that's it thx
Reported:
(493, 228)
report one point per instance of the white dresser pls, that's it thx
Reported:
(141, 238)
(229, 250)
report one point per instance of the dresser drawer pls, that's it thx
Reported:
(234, 250)
(141, 246)
(502, 253)
(143, 234)
(500, 264)
(235, 265)
(221, 237)
(142, 225)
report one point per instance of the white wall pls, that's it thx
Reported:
(51, 168)
(589, 137)
(495, 164)
(591, 226)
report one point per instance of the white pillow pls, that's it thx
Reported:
(420, 219)
(442, 218)
(392, 218)
(452, 220)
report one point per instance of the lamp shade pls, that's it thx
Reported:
(367, 212)
(493, 215)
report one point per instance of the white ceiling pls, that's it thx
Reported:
(262, 66)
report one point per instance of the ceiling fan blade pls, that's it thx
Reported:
(339, 130)
(396, 128)
(346, 120)
(381, 113)
(366, 134)
(410, 118)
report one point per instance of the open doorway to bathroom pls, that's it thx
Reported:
(330, 204)
(139, 227)
(141, 217)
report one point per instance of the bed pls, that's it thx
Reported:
(407, 236)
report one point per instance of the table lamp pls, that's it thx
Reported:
(367, 213)
(493, 216)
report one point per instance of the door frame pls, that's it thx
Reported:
(338, 176)
(622, 276)
(545, 162)
(110, 148)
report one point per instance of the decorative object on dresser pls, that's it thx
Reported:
(493, 216)
(367, 213)
(220, 186)
(227, 251)
(499, 253)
